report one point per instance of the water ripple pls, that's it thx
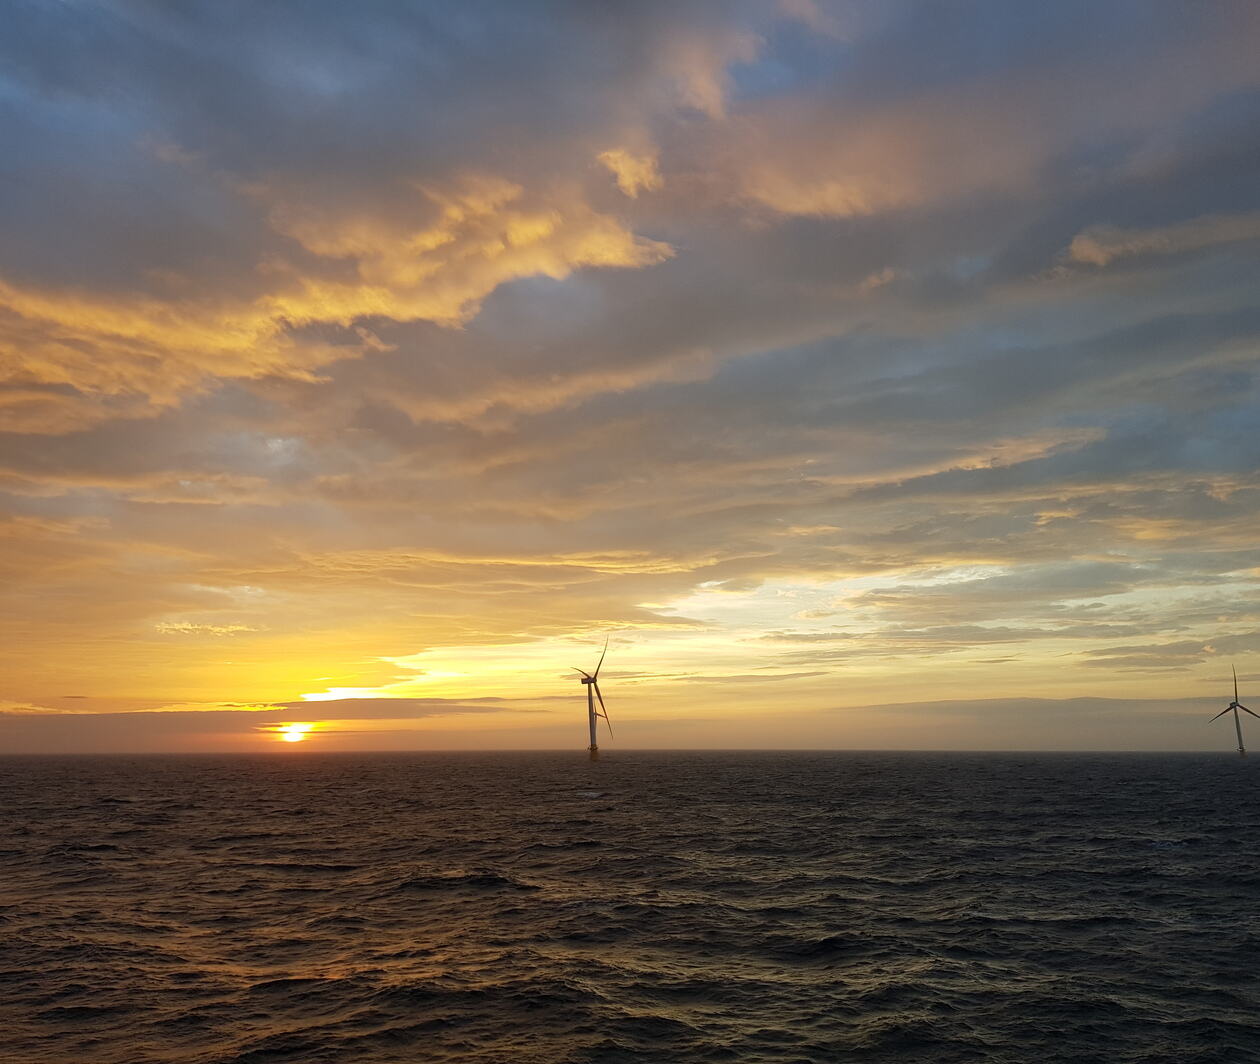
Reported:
(682, 908)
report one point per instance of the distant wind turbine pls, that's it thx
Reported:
(591, 680)
(1235, 705)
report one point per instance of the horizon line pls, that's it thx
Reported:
(291, 752)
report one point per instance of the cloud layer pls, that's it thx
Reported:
(403, 352)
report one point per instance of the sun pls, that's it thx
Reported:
(294, 733)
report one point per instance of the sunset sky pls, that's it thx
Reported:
(871, 374)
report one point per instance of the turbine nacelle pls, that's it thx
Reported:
(1235, 705)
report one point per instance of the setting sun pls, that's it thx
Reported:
(294, 733)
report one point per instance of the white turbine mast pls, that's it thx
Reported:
(1235, 705)
(591, 682)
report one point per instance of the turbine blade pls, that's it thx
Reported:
(604, 708)
(582, 671)
(1235, 672)
(595, 675)
(1246, 710)
(1221, 713)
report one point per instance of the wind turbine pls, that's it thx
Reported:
(1235, 705)
(591, 681)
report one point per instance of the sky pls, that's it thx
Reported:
(868, 374)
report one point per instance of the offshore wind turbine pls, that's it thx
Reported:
(1235, 705)
(591, 682)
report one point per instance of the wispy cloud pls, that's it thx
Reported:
(1102, 245)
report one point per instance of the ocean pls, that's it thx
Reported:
(668, 907)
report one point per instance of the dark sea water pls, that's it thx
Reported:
(652, 907)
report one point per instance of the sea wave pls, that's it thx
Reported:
(665, 908)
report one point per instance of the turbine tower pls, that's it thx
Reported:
(591, 682)
(1235, 705)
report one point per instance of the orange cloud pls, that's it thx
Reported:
(635, 172)
(112, 347)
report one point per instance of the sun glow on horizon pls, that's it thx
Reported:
(294, 733)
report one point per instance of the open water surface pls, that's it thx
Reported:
(528, 908)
